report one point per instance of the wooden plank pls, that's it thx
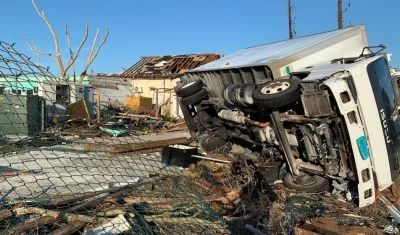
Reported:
(73, 199)
(157, 103)
(131, 147)
(98, 106)
(299, 231)
(68, 217)
(167, 92)
(25, 227)
(78, 109)
(328, 226)
(5, 214)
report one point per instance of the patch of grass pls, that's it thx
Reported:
(10, 148)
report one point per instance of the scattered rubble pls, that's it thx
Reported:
(155, 201)
(244, 197)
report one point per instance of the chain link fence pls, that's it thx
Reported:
(68, 167)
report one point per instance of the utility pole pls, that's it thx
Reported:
(290, 15)
(340, 14)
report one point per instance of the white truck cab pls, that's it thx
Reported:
(365, 97)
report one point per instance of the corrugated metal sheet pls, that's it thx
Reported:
(109, 80)
(265, 54)
(112, 88)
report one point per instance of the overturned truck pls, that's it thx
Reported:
(322, 105)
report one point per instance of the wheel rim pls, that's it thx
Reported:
(188, 85)
(275, 87)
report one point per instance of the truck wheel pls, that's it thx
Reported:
(212, 143)
(277, 94)
(195, 98)
(306, 183)
(190, 88)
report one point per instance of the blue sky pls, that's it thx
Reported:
(142, 28)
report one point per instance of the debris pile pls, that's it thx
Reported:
(237, 191)
(241, 193)
(117, 124)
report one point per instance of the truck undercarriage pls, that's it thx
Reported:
(302, 127)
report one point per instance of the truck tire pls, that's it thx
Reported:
(317, 185)
(190, 88)
(277, 94)
(212, 143)
(195, 98)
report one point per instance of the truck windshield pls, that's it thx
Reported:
(381, 82)
(382, 73)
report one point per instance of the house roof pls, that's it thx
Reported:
(155, 67)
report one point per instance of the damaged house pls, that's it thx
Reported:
(156, 76)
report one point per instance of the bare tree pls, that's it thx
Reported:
(36, 50)
(72, 56)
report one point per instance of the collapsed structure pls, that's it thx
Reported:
(153, 77)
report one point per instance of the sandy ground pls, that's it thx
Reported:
(68, 169)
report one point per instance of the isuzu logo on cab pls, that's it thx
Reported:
(385, 126)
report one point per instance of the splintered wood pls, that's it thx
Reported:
(158, 204)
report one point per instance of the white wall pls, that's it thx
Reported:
(107, 94)
(142, 87)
